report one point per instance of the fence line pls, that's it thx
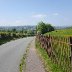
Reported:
(59, 49)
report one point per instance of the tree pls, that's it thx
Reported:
(30, 32)
(49, 27)
(42, 28)
(22, 30)
(14, 30)
(25, 31)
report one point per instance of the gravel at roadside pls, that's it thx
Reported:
(33, 62)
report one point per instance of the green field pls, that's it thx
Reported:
(62, 50)
(63, 32)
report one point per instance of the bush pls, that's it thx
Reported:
(42, 28)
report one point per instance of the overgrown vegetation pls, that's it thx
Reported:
(60, 45)
(22, 65)
(7, 35)
(48, 64)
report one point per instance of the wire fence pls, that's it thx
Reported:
(59, 49)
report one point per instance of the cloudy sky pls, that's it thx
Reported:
(30, 12)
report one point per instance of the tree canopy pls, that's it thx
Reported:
(43, 28)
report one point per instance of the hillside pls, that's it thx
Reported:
(17, 27)
(62, 32)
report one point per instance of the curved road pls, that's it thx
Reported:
(11, 54)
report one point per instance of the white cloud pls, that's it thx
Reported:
(55, 14)
(39, 16)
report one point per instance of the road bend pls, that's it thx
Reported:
(11, 54)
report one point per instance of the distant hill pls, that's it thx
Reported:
(63, 27)
(69, 27)
(30, 27)
(17, 27)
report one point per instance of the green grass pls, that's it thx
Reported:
(63, 32)
(2, 41)
(62, 50)
(22, 65)
(7, 36)
(48, 64)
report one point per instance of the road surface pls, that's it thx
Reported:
(11, 54)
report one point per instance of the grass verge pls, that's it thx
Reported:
(48, 64)
(22, 65)
(3, 41)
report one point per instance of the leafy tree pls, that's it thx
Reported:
(49, 27)
(22, 30)
(25, 31)
(14, 30)
(30, 32)
(42, 28)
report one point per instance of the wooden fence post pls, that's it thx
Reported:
(71, 52)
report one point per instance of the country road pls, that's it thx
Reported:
(11, 54)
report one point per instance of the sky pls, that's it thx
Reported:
(30, 12)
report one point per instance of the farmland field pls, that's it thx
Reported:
(63, 32)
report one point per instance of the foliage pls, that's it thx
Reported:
(43, 28)
(7, 35)
(30, 32)
(49, 28)
(62, 50)
(48, 64)
(14, 30)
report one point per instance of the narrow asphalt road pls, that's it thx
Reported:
(11, 54)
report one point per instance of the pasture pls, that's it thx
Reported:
(62, 32)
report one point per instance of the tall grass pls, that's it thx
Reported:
(48, 63)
